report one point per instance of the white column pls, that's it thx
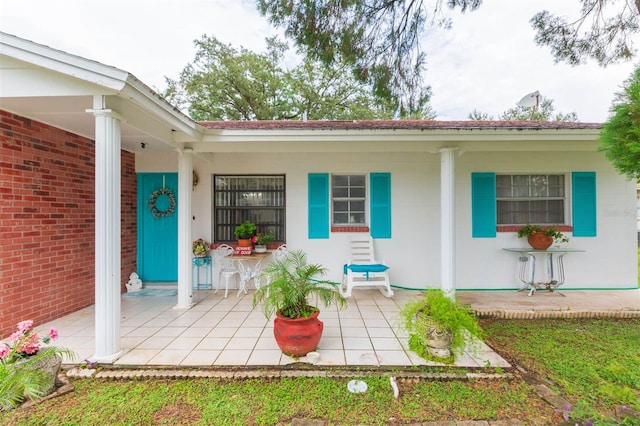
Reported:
(107, 233)
(447, 220)
(185, 186)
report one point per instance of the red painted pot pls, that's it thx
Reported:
(297, 336)
(540, 241)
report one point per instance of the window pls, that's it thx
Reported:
(527, 198)
(257, 198)
(348, 199)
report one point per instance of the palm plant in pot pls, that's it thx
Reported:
(291, 281)
(438, 326)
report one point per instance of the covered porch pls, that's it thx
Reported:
(229, 332)
(218, 332)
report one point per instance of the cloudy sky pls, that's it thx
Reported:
(487, 61)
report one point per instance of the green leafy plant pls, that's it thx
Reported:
(263, 239)
(528, 230)
(291, 281)
(436, 308)
(245, 230)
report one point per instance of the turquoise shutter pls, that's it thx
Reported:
(380, 205)
(318, 205)
(583, 194)
(483, 205)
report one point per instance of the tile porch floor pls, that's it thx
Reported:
(228, 332)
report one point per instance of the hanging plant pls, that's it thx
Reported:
(153, 198)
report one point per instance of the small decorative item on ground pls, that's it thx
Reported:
(438, 326)
(200, 248)
(27, 369)
(541, 238)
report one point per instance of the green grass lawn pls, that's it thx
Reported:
(594, 364)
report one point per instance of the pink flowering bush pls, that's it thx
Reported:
(23, 365)
(25, 342)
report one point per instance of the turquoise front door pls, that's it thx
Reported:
(158, 226)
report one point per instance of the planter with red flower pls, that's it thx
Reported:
(261, 240)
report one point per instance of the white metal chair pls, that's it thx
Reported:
(247, 274)
(280, 252)
(227, 268)
(363, 269)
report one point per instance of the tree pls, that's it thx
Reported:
(476, 115)
(620, 135)
(610, 26)
(225, 83)
(380, 39)
(544, 112)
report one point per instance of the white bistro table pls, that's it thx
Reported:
(555, 270)
(250, 266)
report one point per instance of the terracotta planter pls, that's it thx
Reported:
(540, 241)
(298, 336)
(242, 242)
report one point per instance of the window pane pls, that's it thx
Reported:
(356, 206)
(258, 198)
(357, 180)
(340, 180)
(358, 192)
(341, 206)
(340, 218)
(341, 192)
(348, 199)
(530, 199)
(357, 218)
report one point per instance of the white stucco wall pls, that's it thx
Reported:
(413, 252)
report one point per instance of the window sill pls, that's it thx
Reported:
(349, 229)
(515, 228)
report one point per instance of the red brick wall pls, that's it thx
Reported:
(129, 221)
(47, 202)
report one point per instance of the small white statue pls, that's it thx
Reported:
(134, 284)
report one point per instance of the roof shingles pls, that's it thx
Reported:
(395, 125)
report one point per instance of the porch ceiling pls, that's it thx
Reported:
(70, 113)
(57, 88)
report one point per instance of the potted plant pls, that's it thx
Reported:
(438, 326)
(27, 369)
(290, 282)
(244, 233)
(200, 248)
(541, 238)
(261, 240)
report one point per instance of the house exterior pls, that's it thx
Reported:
(101, 177)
